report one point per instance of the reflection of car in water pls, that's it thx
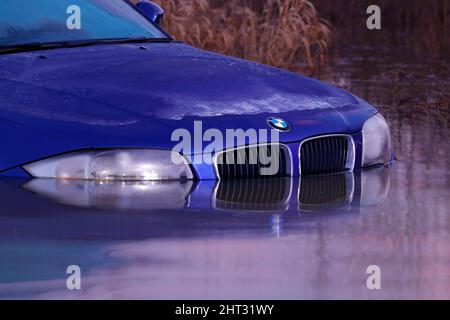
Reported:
(60, 221)
(101, 102)
(253, 195)
(142, 195)
(343, 191)
(310, 194)
(317, 193)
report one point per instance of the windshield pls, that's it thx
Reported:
(49, 21)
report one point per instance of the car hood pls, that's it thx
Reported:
(133, 95)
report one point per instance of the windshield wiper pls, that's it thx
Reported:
(34, 46)
(82, 43)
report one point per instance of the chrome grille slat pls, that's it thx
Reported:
(252, 166)
(324, 155)
(338, 159)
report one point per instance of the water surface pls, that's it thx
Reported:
(295, 239)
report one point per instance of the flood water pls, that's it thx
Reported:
(295, 239)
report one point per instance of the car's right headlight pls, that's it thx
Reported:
(377, 149)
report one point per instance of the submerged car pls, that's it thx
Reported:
(94, 89)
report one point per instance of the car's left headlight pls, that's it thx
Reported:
(114, 165)
(377, 149)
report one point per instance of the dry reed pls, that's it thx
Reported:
(291, 34)
(283, 33)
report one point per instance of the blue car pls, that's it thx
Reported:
(97, 90)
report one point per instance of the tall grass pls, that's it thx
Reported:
(291, 34)
(283, 33)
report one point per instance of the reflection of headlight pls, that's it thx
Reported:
(376, 142)
(120, 164)
(130, 195)
(375, 184)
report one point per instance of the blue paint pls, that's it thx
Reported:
(123, 96)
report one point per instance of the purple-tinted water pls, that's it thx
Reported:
(186, 241)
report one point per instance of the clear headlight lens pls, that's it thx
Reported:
(376, 142)
(114, 165)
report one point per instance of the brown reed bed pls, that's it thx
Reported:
(293, 34)
(284, 33)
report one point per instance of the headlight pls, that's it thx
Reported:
(376, 142)
(120, 164)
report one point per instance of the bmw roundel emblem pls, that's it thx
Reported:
(279, 124)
